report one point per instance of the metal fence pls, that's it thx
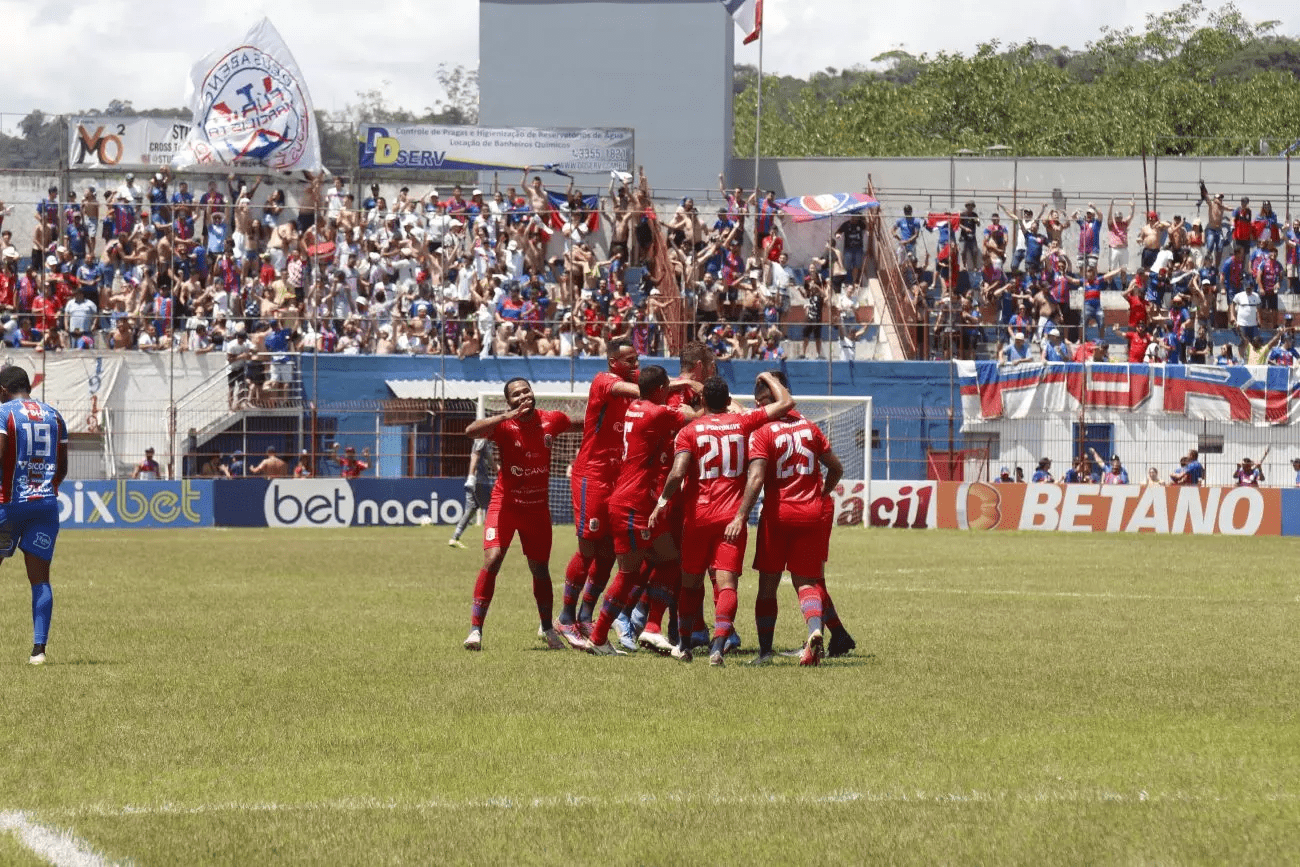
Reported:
(920, 443)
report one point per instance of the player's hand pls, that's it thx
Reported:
(655, 515)
(733, 530)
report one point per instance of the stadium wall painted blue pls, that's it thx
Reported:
(924, 391)
(338, 502)
(129, 504)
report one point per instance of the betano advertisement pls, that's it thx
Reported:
(1115, 508)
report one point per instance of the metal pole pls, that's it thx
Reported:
(758, 114)
(1288, 187)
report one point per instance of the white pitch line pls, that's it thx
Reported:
(357, 805)
(60, 848)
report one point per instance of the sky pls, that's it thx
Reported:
(65, 56)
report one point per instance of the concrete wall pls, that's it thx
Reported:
(942, 183)
(663, 68)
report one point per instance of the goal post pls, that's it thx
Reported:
(846, 421)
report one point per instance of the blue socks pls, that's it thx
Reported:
(42, 610)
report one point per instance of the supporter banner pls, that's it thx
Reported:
(125, 504)
(1248, 395)
(805, 208)
(124, 142)
(483, 148)
(251, 108)
(338, 502)
(1110, 509)
(79, 385)
(904, 505)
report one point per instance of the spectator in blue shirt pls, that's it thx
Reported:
(1192, 473)
(1044, 472)
(1295, 465)
(906, 229)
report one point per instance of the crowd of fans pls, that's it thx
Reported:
(1092, 468)
(233, 267)
(988, 284)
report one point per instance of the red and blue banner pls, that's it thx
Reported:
(1251, 395)
(805, 208)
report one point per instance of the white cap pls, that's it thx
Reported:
(1055, 332)
(477, 192)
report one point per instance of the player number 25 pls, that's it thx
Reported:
(38, 438)
(723, 456)
(796, 457)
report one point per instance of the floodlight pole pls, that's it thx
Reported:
(758, 114)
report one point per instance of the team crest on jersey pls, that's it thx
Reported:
(490, 533)
(645, 534)
(42, 541)
(593, 525)
(547, 440)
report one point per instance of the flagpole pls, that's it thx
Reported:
(758, 116)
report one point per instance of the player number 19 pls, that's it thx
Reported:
(38, 438)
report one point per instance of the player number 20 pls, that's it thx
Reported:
(796, 457)
(723, 456)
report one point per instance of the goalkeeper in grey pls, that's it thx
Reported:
(478, 487)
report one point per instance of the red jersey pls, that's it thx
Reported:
(648, 432)
(717, 443)
(524, 448)
(602, 431)
(792, 486)
(1137, 311)
(352, 468)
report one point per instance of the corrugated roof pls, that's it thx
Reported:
(469, 389)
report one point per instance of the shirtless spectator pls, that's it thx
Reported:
(271, 466)
(1151, 238)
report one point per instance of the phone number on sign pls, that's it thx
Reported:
(603, 154)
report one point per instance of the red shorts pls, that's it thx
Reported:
(703, 548)
(799, 549)
(590, 507)
(630, 529)
(532, 525)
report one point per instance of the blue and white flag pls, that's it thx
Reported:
(251, 108)
(748, 15)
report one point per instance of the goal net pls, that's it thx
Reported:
(846, 421)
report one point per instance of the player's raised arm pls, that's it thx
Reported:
(681, 465)
(753, 485)
(782, 402)
(482, 428)
(834, 471)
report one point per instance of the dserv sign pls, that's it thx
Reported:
(1110, 508)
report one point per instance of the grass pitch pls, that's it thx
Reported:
(236, 697)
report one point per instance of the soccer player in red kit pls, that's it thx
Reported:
(649, 428)
(698, 363)
(786, 461)
(709, 456)
(594, 470)
(523, 436)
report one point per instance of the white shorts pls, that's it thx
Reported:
(281, 371)
(1118, 258)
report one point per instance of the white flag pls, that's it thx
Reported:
(748, 15)
(251, 108)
